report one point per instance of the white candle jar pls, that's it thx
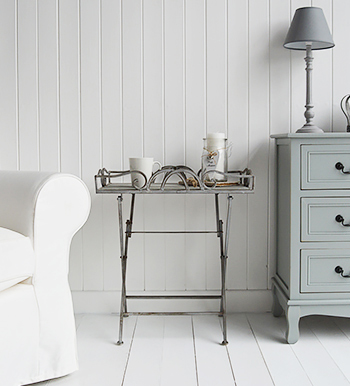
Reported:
(214, 157)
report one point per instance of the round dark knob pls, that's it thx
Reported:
(339, 166)
(338, 269)
(339, 218)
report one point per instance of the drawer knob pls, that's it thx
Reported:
(340, 270)
(340, 166)
(339, 218)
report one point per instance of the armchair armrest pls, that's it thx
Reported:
(18, 195)
(49, 208)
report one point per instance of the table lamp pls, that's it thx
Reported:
(309, 31)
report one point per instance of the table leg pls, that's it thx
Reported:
(122, 301)
(223, 299)
(224, 241)
(127, 236)
(219, 227)
(224, 257)
(124, 256)
(123, 266)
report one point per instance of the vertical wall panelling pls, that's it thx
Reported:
(47, 86)
(280, 19)
(175, 250)
(216, 87)
(195, 243)
(322, 75)
(155, 261)
(196, 46)
(258, 141)
(132, 86)
(86, 84)
(237, 133)
(29, 154)
(69, 86)
(341, 61)
(173, 78)
(279, 104)
(212, 246)
(195, 76)
(175, 131)
(70, 125)
(216, 66)
(174, 140)
(133, 122)
(298, 76)
(112, 149)
(8, 92)
(136, 258)
(195, 207)
(91, 139)
(152, 79)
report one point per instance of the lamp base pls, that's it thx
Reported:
(309, 129)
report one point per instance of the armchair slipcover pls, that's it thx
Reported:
(39, 214)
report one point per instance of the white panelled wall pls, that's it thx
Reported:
(86, 84)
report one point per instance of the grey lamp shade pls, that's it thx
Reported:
(308, 26)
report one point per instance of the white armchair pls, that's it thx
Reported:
(39, 214)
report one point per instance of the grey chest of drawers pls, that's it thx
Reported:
(313, 227)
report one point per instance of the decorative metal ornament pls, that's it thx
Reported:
(345, 108)
(188, 181)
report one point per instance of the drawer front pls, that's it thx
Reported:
(318, 219)
(318, 270)
(318, 169)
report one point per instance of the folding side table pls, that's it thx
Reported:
(238, 182)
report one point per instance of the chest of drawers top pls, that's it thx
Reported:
(312, 136)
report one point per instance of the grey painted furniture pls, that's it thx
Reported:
(313, 227)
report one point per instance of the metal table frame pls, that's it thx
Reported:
(104, 185)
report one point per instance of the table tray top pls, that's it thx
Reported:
(176, 180)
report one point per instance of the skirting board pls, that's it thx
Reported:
(109, 301)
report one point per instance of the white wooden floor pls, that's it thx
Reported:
(184, 351)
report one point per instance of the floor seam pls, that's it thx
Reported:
(262, 355)
(127, 360)
(194, 351)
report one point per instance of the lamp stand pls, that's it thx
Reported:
(309, 114)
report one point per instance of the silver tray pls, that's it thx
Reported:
(176, 179)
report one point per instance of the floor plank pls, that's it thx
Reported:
(245, 353)
(283, 365)
(316, 361)
(333, 340)
(101, 361)
(180, 350)
(179, 366)
(142, 369)
(213, 363)
(162, 353)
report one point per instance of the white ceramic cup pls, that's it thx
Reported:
(143, 165)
